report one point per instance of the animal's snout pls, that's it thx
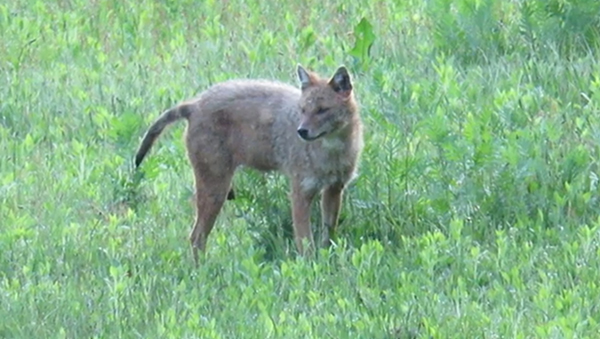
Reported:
(303, 133)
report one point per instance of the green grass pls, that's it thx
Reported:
(475, 215)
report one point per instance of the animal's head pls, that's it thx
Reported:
(327, 105)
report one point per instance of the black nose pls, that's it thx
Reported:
(303, 133)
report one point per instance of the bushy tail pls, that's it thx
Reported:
(168, 117)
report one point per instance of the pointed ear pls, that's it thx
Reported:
(340, 82)
(304, 77)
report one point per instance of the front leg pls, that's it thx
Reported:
(301, 201)
(331, 202)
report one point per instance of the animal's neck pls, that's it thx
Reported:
(352, 131)
(343, 139)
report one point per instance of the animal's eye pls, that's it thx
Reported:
(322, 110)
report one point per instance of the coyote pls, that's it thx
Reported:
(312, 134)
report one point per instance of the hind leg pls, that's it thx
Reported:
(211, 192)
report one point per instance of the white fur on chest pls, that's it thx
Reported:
(333, 145)
(317, 183)
(331, 164)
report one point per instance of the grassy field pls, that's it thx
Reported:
(475, 215)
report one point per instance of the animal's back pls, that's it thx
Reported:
(248, 117)
(254, 92)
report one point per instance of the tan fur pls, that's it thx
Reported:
(313, 135)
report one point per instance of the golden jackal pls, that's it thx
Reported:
(312, 134)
